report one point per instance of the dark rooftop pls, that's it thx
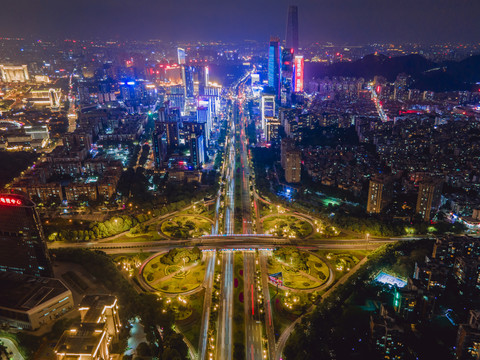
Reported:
(24, 292)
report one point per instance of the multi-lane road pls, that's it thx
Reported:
(253, 326)
(207, 304)
(224, 333)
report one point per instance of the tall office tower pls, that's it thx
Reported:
(181, 56)
(379, 194)
(197, 150)
(291, 38)
(202, 77)
(187, 77)
(468, 338)
(267, 108)
(291, 160)
(22, 243)
(176, 97)
(287, 76)
(203, 117)
(429, 197)
(274, 65)
(159, 141)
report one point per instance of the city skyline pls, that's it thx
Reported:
(237, 200)
(350, 21)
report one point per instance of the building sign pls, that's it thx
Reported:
(6, 200)
(298, 73)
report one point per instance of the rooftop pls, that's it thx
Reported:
(83, 339)
(25, 292)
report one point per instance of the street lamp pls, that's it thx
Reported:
(366, 241)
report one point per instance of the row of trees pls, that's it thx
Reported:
(113, 226)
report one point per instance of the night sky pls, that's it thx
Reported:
(350, 21)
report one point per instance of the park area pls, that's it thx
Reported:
(300, 270)
(186, 226)
(176, 272)
(287, 226)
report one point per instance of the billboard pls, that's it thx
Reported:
(298, 73)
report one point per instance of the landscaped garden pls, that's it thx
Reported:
(175, 272)
(186, 226)
(300, 270)
(287, 226)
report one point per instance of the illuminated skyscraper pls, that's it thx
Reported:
(197, 150)
(274, 65)
(287, 76)
(181, 56)
(22, 243)
(187, 77)
(267, 108)
(291, 38)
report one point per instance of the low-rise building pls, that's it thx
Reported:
(30, 302)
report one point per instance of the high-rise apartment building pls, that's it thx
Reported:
(159, 142)
(379, 194)
(429, 197)
(291, 160)
(22, 243)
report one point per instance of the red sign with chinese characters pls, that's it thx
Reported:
(298, 74)
(7, 200)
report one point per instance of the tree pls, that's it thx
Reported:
(143, 349)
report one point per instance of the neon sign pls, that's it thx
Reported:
(298, 74)
(4, 200)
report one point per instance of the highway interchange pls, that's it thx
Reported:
(259, 336)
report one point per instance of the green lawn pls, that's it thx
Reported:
(265, 209)
(200, 209)
(191, 327)
(282, 316)
(342, 261)
(298, 280)
(287, 225)
(182, 282)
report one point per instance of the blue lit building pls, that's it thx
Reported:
(274, 65)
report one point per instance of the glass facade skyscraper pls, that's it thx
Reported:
(274, 65)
